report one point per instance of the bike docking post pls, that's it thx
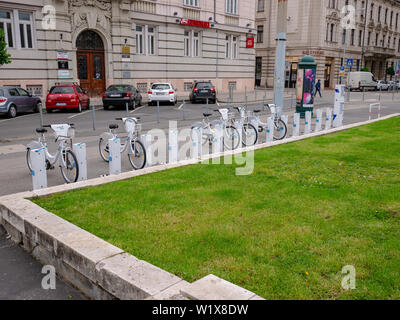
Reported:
(147, 142)
(94, 118)
(158, 111)
(307, 128)
(197, 143)
(328, 119)
(115, 156)
(39, 174)
(373, 105)
(217, 146)
(338, 106)
(270, 129)
(296, 124)
(255, 122)
(318, 121)
(239, 127)
(80, 151)
(173, 146)
(285, 119)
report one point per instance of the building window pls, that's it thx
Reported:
(261, 5)
(192, 44)
(352, 37)
(35, 90)
(145, 40)
(139, 40)
(142, 87)
(25, 30)
(231, 47)
(188, 86)
(6, 26)
(260, 34)
(360, 36)
(231, 6)
(192, 3)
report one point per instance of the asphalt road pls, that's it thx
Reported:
(16, 133)
(21, 276)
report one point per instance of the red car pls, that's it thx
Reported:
(67, 96)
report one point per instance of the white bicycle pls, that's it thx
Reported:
(231, 135)
(136, 151)
(64, 133)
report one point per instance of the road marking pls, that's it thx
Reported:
(82, 113)
(137, 109)
(180, 107)
(20, 117)
(12, 149)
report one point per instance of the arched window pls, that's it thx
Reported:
(89, 40)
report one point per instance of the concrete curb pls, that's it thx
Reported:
(101, 270)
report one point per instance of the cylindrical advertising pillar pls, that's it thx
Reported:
(305, 85)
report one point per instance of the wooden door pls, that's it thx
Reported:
(91, 72)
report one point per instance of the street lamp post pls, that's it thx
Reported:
(280, 57)
(365, 30)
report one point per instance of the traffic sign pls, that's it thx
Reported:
(350, 63)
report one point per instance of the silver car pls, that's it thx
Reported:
(14, 100)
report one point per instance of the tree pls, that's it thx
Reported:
(390, 71)
(4, 56)
(365, 69)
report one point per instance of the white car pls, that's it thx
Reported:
(382, 85)
(162, 92)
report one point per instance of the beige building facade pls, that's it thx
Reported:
(101, 42)
(315, 27)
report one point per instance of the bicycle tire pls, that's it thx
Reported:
(233, 145)
(74, 165)
(144, 161)
(102, 147)
(249, 128)
(28, 159)
(281, 127)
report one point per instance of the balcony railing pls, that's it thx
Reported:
(144, 6)
(375, 50)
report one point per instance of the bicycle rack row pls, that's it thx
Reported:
(38, 158)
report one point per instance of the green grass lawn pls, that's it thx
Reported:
(284, 232)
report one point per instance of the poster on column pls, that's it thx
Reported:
(299, 85)
(308, 92)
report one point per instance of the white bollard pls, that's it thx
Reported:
(114, 146)
(296, 125)
(173, 146)
(285, 119)
(197, 143)
(80, 152)
(270, 129)
(328, 119)
(307, 128)
(256, 123)
(39, 174)
(239, 127)
(318, 124)
(217, 146)
(146, 140)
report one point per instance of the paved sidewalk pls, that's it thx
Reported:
(21, 277)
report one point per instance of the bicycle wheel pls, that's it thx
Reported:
(28, 159)
(231, 138)
(104, 150)
(138, 158)
(250, 135)
(206, 131)
(70, 172)
(280, 130)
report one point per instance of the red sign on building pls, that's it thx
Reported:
(250, 42)
(195, 23)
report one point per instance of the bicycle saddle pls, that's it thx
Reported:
(113, 126)
(41, 130)
(206, 115)
(257, 111)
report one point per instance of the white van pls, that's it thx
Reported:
(360, 80)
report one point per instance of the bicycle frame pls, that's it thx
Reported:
(132, 136)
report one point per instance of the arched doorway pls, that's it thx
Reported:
(90, 60)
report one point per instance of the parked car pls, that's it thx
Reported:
(382, 85)
(67, 96)
(14, 100)
(162, 92)
(203, 90)
(392, 85)
(361, 80)
(120, 95)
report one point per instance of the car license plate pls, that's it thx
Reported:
(204, 91)
(61, 104)
(160, 93)
(115, 95)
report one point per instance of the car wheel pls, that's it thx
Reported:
(106, 107)
(12, 112)
(79, 108)
(88, 105)
(37, 107)
(49, 110)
